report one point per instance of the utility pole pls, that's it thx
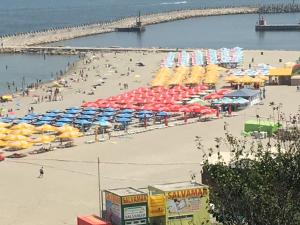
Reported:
(99, 190)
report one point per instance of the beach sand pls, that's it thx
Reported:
(69, 187)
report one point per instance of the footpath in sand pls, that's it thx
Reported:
(69, 188)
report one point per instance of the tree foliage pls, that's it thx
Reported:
(260, 185)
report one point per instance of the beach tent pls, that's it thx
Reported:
(250, 94)
(258, 125)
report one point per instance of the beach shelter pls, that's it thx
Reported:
(47, 118)
(65, 120)
(4, 130)
(73, 111)
(23, 126)
(15, 137)
(198, 101)
(4, 124)
(68, 115)
(46, 128)
(90, 112)
(19, 144)
(231, 79)
(3, 144)
(82, 122)
(44, 139)
(60, 124)
(86, 117)
(123, 120)
(70, 135)
(126, 115)
(39, 123)
(24, 132)
(67, 128)
(103, 123)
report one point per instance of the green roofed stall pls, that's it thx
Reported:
(265, 126)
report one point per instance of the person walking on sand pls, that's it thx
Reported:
(41, 172)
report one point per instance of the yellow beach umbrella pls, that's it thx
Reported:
(19, 144)
(231, 79)
(46, 128)
(2, 136)
(4, 124)
(246, 79)
(257, 80)
(24, 132)
(3, 144)
(70, 135)
(67, 128)
(22, 126)
(4, 130)
(44, 139)
(15, 138)
(263, 77)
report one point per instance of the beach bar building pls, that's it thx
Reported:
(253, 96)
(182, 203)
(126, 206)
(280, 76)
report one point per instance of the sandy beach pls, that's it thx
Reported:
(69, 187)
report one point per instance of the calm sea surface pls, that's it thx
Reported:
(202, 32)
(32, 67)
(26, 15)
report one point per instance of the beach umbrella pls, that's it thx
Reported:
(3, 136)
(4, 130)
(86, 117)
(73, 111)
(109, 110)
(51, 114)
(123, 120)
(39, 123)
(46, 128)
(55, 111)
(47, 118)
(108, 114)
(74, 108)
(142, 116)
(90, 109)
(103, 123)
(163, 114)
(15, 137)
(127, 111)
(11, 117)
(5, 120)
(90, 104)
(59, 124)
(197, 101)
(19, 144)
(145, 112)
(44, 139)
(24, 132)
(67, 115)
(29, 117)
(22, 126)
(65, 120)
(3, 144)
(90, 112)
(83, 122)
(70, 135)
(4, 124)
(126, 115)
(67, 128)
(105, 118)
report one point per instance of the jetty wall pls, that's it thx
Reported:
(66, 33)
(59, 34)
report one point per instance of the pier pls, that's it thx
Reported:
(263, 26)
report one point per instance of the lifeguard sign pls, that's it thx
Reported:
(126, 206)
(185, 203)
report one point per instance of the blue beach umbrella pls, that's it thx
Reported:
(4, 120)
(55, 111)
(21, 121)
(123, 120)
(83, 122)
(125, 115)
(85, 117)
(128, 111)
(163, 114)
(65, 120)
(145, 112)
(73, 111)
(108, 114)
(47, 118)
(102, 123)
(29, 117)
(41, 123)
(73, 108)
(11, 117)
(90, 109)
(68, 115)
(90, 112)
(109, 110)
(60, 124)
(141, 116)
(50, 115)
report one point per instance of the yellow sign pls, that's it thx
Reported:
(133, 199)
(187, 193)
(157, 205)
(112, 198)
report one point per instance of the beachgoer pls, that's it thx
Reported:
(41, 172)
(264, 92)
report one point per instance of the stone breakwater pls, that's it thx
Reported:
(54, 35)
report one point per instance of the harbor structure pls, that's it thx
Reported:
(262, 25)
